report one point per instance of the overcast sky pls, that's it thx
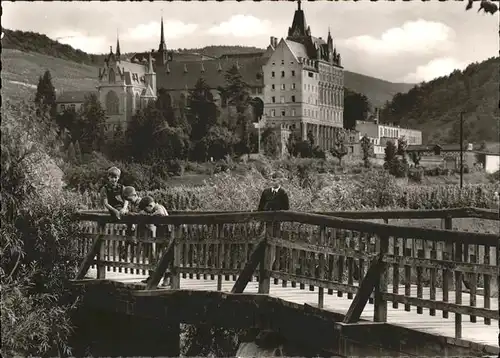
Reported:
(397, 41)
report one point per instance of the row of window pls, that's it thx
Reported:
(307, 87)
(322, 114)
(283, 63)
(283, 87)
(282, 99)
(273, 74)
(293, 113)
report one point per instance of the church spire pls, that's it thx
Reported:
(118, 53)
(163, 46)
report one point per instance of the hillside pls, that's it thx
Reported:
(435, 106)
(26, 55)
(21, 70)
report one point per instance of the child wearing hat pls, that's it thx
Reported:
(112, 194)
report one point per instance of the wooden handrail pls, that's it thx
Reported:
(304, 218)
(468, 212)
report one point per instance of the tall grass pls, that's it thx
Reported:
(373, 189)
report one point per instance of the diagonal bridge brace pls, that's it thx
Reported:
(368, 284)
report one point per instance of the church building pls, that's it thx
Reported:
(299, 81)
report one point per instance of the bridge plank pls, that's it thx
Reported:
(248, 271)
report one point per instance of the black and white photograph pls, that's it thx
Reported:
(250, 178)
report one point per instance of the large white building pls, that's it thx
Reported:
(304, 83)
(379, 134)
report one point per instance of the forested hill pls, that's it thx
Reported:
(378, 91)
(435, 106)
(28, 41)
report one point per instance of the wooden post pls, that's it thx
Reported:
(175, 277)
(322, 263)
(447, 256)
(101, 269)
(220, 254)
(458, 290)
(266, 263)
(380, 305)
(487, 283)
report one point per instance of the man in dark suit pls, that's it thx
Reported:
(275, 197)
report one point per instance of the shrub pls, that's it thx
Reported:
(37, 248)
(416, 174)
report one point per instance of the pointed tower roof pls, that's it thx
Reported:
(118, 52)
(299, 26)
(163, 46)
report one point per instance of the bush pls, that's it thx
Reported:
(416, 174)
(38, 238)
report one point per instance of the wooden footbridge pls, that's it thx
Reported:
(357, 287)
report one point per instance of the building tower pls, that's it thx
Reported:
(118, 53)
(149, 93)
(163, 55)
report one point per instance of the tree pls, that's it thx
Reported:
(169, 143)
(202, 110)
(141, 131)
(218, 143)
(390, 153)
(37, 255)
(271, 142)
(78, 152)
(237, 94)
(310, 138)
(46, 93)
(367, 149)
(402, 146)
(415, 158)
(163, 104)
(90, 128)
(293, 139)
(396, 166)
(486, 6)
(356, 108)
(340, 149)
(116, 144)
(71, 156)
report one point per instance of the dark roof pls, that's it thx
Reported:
(299, 25)
(431, 147)
(243, 55)
(174, 76)
(485, 153)
(73, 96)
(419, 148)
(141, 57)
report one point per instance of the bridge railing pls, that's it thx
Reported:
(422, 268)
